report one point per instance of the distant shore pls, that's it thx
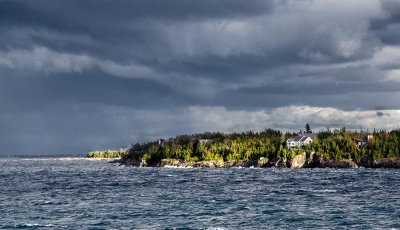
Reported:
(89, 158)
(63, 158)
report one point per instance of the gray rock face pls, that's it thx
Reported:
(387, 163)
(130, 163)
(281, 163)
(233, 163)
(143, 164)
(365, 161)
(338, 164)
(312, 160)
(262, 162)
(169, 162)
(304, 160)
(184, 164)
(298, 161)
(211, 164)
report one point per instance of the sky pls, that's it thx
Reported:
(77, 76)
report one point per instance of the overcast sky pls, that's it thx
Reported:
(80, 75)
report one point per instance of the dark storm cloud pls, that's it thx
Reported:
(379, 114)
(326, 88)
(81, 75)
(134, 23)
(388, 28)
(105, 10)
(34, 92)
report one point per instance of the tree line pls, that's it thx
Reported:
(108, 154)
(338, 144)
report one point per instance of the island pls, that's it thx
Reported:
(338, 148)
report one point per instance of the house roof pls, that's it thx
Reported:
(310, 135)
(360, 139)
(300, 138)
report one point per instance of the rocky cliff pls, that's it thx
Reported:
(304, 160)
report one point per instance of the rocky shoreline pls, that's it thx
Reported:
(300, 161)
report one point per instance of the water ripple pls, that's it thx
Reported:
(74, 194)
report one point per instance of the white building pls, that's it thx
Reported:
(361, 142)
(300, 140)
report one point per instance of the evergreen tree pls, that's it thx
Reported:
(308, 128)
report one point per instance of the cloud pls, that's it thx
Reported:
(41, 60)
(379, 114)
(154, 68)
(80, 127)
(44, 60)
(290, 118)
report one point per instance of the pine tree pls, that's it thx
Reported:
(308, 128)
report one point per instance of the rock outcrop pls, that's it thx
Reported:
(209, 164)
(280, 163)
(189, 164)
(298, 161)
(263, 162)
(365, 161)
(304, 160)
(337, 164)
(312, 160)
(169, 162)
(129, 162)
(387, 163)
(369, 162)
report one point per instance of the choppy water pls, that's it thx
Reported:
(82, 194)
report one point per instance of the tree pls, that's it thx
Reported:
(308, 128)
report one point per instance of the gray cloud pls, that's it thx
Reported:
(76, 76)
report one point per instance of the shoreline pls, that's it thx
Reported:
(90, 158)
(300, 161)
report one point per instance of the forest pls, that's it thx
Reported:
(108, 154)
(337, 144)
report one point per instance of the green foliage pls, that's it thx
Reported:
(271, 144)
(108, 154)
(211, 146)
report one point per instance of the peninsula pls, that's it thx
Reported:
(337, 148)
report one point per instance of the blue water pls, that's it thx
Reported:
(83, 194)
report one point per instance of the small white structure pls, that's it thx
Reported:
(361, 142)
(205, 141)
(161, 142)
(300, 140)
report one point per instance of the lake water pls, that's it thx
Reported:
(84, 194)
